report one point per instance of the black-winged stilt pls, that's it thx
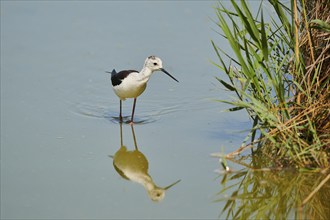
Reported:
(131, 83)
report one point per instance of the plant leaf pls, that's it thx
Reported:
(231, 88)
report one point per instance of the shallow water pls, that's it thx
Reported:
(59, 114)
(271, 193)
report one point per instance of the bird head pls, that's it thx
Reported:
(154, 64)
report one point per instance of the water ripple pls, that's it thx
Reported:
(104, 112)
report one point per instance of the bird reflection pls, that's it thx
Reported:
(133, 165)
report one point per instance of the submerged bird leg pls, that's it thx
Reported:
(133, 110)
(120, 115)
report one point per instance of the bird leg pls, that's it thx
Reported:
(120, 115)
(133, 110)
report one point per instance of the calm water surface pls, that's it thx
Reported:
(63, 155)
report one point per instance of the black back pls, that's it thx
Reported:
(117, 78)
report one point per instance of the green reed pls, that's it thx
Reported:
(280, 76)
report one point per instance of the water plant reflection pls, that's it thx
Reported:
(133, 165)
(255, 193)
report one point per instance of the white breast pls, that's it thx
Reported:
(131, 87)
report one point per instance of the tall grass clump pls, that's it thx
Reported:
(280, 73)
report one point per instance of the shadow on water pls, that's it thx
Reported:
(133, 165)
(252, 193)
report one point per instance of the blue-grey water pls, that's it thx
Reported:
(57, 109)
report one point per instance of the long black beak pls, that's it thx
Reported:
(167, 187)
(167, 73)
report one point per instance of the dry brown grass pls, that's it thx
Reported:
(309, 126)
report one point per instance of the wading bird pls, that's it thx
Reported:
(131, 83)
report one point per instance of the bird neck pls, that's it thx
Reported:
(144, 179)
(145, 74)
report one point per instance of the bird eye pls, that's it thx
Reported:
(155, 64)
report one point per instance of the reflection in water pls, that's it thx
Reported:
(133, 165)
(274, 194)
(127, 120)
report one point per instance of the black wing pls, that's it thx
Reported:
(117, 78)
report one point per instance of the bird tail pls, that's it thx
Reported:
(112, 73)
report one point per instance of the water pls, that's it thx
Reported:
(58, 111)
(58, 108)
(277, 193)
